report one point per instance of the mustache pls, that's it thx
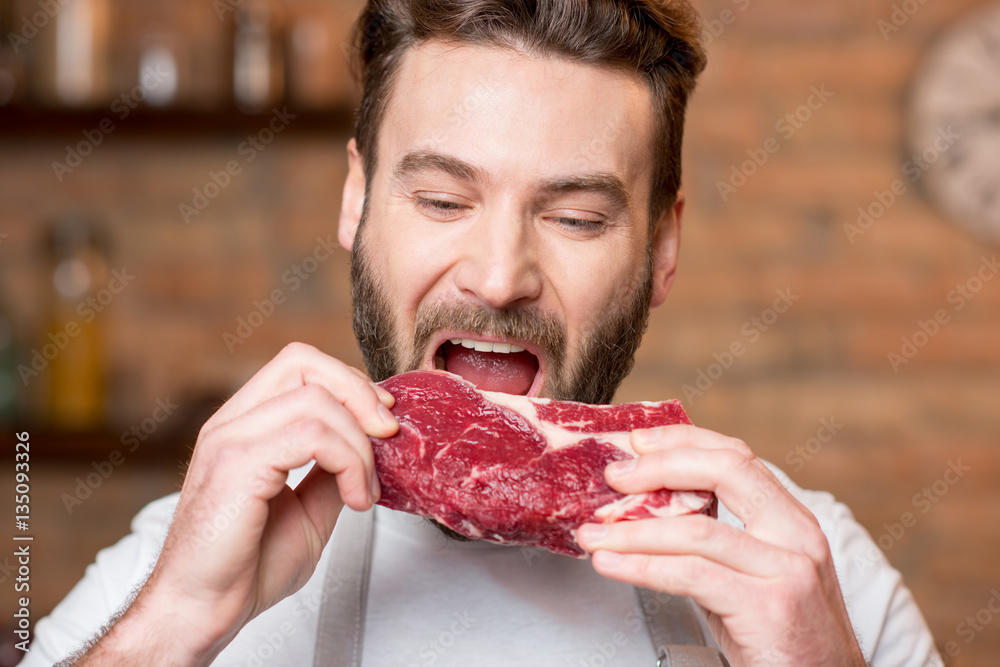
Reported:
(527, 324)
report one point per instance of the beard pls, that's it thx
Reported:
(607, 350)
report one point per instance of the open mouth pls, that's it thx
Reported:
(492, 365)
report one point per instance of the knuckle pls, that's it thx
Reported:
(815, 545)
(206, 434)
(802, 574)
(701, 529)
(363, 383)
(228, 456)
(356, 382)
(642, 566)
(315, 394)
(350, 374)
(296, 350)
(349, 457)
(738, 462)
(696, 569)
(353, 458)
(363, 388)
(357, 371)
(310, 428)
(773, 606)
(742, 447)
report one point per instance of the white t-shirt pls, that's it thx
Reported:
(436, 602)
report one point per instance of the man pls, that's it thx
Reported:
(486, 204)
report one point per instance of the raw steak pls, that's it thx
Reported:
(516, 470)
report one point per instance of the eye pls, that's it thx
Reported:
(580, 223)
(579, 227)
(439, 207)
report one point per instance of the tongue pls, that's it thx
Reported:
(489, 371)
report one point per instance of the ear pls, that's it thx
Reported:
(353, 200)
(666, 243)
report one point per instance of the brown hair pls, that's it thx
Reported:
(660, 39)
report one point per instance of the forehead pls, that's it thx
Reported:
(519, 117)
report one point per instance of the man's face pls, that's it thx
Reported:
(508, 210)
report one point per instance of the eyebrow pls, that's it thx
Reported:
(414, 162)
(606, 184)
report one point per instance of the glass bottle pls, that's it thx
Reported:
(73, 344)
(258, 60)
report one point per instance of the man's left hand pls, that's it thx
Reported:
(770, 591)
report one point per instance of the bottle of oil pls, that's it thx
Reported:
(73, 344)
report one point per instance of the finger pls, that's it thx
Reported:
(717, 588)
(798, 529)
(697, 535)
(267, 460)
(645, 440)
(236, 483)
(299, 364)
(320, 497)
(307, 402)
(741, 482)
(387, 399)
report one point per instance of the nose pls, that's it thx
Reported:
(498, 265)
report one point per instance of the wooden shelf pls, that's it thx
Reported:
(32, 123)
(171, 441)
(75, 447)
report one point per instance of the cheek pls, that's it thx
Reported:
(597, 279)
(411, 259)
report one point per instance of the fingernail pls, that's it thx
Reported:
(593, 532)
(375, 491)
(386, 416)
(621, 468)
(645, 437)
(608, 558)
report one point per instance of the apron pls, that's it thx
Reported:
(673, 627)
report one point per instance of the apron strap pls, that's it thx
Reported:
(341, 629)
(672, 620)
(676, 633)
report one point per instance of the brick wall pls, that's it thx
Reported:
(825, 358)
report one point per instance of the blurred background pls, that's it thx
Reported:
(170, 178)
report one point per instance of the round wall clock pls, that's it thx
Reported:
(953, 134)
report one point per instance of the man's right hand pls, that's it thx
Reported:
(241, 540)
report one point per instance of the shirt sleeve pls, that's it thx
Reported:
(889, 626)
(105, 587)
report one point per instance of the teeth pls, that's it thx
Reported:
(483, 346)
